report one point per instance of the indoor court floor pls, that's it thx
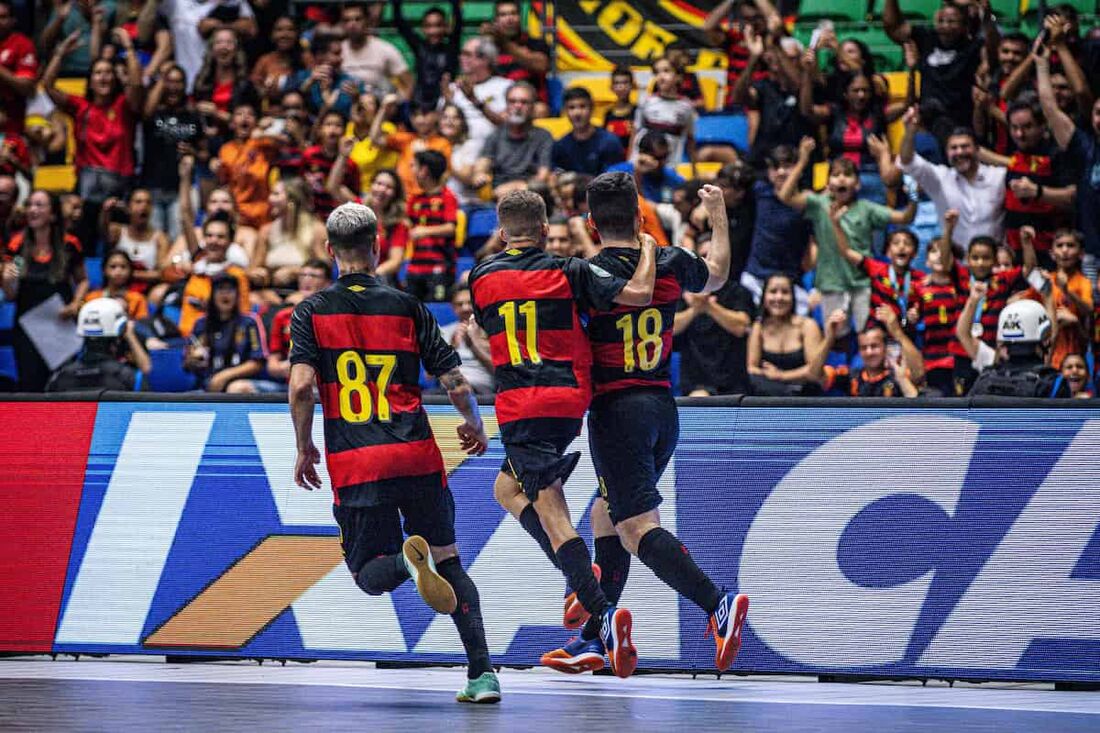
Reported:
(128, 693)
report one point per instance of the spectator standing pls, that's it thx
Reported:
(273, 71)
(222, 81)
(477, 91)
(1071, 297)
(435, 50)
(781, 343)
(88, 20)
(894, 283)
(226, 345)
(153, 52)
(366, 57)
(41, 261)
(386, 198)
(465, 151)
(781, 236)
(433, 215)
(291, 237)
(976, 190)
(319, 160)
(244, 164)
(729, 35)
(585, 149)
(128, 229)
(368, 157)
(327, 86)
(940, 298)
(170, 123)
(104, 125)
(192, 21)
(424, 136)
(1080, 144)
(470, 341)
(520, 57)
(665, 111)
(516, 152)
(18, 71)
(619, 120)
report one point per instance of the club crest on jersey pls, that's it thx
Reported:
(598, 271)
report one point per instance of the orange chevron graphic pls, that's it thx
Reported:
(259, 586)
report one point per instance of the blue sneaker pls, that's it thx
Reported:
(576, 657)
(615, 627)
(726, 623)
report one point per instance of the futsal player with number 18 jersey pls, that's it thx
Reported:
(633, 423)
(362, 344)
(530, 303)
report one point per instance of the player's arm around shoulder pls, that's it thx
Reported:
(638, 291)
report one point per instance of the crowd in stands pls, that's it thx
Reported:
(878, 196)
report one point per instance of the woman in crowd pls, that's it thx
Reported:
(464, 153)
(226, 344)
(41, 262)
(368, 157)
(222, 78)
(293, 236)
(171, 125)
(270, 72)
(104, 126)
(118, 282)
(779, 344)
(127, 227)
(386, 196)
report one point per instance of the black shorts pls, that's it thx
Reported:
(367, 532)
(432, 288)
(632, 435)
(537, 463)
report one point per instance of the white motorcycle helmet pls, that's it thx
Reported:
(101, 318)
(1023, 322)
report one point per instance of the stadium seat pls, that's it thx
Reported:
(1007, 10)
(55, 178)
(443, 313)
(1031, 7)
(7, 315)
(168, 374)
(723, 130)
(711, 92)
(558, 127)
(706, 171)
(482, 223)
(887, 54)
(7, 363)
(94, 268)
(674, 373)
(461, 224)
(851, 11)
(464, 265)
(554, 90)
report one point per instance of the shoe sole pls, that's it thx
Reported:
(727, 648)
(624, 659)
(482, 698)
(433, 588)
(589, 662)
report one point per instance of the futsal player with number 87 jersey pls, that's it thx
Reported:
(530, 303)
(362, 344)
(633, 424)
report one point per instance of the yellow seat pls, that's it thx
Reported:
(460, 228)
(710, 89)
(706, 171)
(559, 127)
(75, 86)
(57, 178)
(821, 175)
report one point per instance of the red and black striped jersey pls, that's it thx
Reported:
(861, 383)
(433, 255)
(940, 307)
(888, 288)
(632, 345)
(530, 303)
(367, 342)
(1001, 286)
(1042, 168)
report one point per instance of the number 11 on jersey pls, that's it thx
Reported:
(530, 328)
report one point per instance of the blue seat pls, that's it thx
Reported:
(464, 265)
(7, 316)
(168, 374)
(555, 90)
(94, 268)
(443, 313)
(674, 373)
(723, 130)
(482, 223)
(7, 363)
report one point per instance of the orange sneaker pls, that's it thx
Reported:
(576, 657)
(574, 614)
(726, 623)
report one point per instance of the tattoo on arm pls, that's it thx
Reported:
(453, 380)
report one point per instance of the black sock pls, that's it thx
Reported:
(529, 520)
(382, 575)
(467, 617)
(614, 562)
(576, 564)
(671, 562)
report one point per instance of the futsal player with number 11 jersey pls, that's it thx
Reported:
(530, 303)
(633, 423)
(362, 344)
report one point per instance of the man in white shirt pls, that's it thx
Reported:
(977, 191)
(377, 63)
(478, 93)
(192, 22)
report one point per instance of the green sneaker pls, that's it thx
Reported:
(433, 587)
(485, 689)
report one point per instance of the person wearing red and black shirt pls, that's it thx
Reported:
(881, 376)
(893, 284)
(362, 344)
(728, 35)
(619, 119)
(18, 70)
(318, 161)
(1037, 192)
(939, 302)
(41, 262)
(980, 258)
(633, 424)
(530, 304)
(520, 57)
(433, 214)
